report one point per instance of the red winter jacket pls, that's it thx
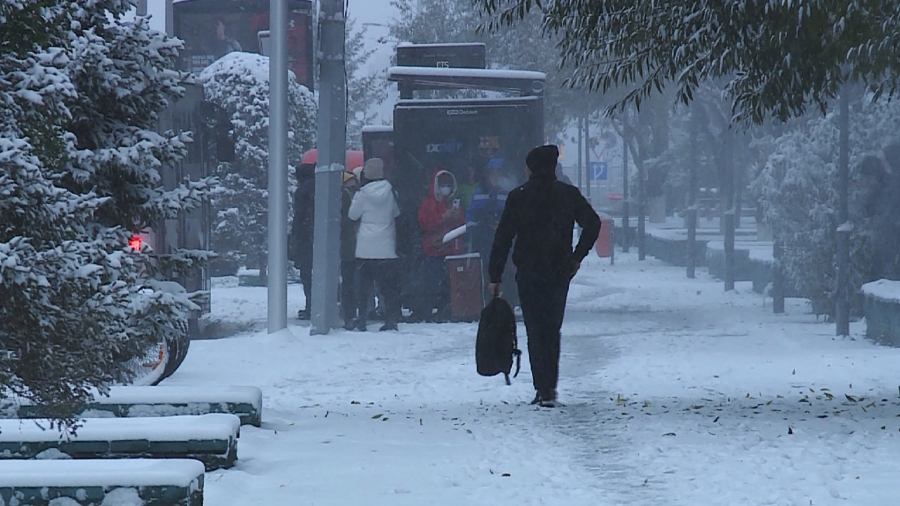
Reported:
(431, 220)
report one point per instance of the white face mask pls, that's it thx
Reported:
(446, 191)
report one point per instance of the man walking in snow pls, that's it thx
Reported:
(541, 215)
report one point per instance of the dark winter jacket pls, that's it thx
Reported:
(541, 215)
(433, 224)
(301, 239)
(482, 216)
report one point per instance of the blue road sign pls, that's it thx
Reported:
(599, 171)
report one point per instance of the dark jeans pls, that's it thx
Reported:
(348, 289)
(304, 265)
(542, 296)
(437, 287)
(368, 273)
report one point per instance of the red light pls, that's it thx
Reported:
(135, 243)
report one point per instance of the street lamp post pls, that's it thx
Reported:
(331, 144)
(278, 125)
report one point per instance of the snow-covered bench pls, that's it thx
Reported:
(211, 439)
(92, 482)
(132, 401)
(882, 308)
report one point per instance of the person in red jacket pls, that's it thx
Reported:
(439, 213)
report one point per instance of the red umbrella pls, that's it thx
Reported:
(354, 159)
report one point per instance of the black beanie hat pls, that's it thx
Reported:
(542, 160)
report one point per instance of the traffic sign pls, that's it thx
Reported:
(599, 171)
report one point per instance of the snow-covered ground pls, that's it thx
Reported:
(675, 393)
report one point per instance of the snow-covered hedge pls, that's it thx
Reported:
(882, 306)
(799, 195)
(884, 290)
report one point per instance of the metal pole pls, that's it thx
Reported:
(278, 124)
(626, 206)
(587, 158)
(691, 216)
(842, 296)
(170, 18)
(142, 8)
(332, 152)
(728, 215)
(580, 144)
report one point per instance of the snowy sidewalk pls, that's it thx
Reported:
(675, 394)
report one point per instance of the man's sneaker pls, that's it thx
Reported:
(388, 326)
(545, 399)
(547, 403)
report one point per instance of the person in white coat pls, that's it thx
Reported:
(375, 207)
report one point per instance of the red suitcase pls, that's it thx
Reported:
(466, 287)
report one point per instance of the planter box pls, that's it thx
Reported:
(882, 308)
(131, 401)
(211, 439)
(92, 482)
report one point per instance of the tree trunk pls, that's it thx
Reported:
(728, 202)
(778, 277)
(626, 205)
(692, 199)
(842, 295)
(638, 151)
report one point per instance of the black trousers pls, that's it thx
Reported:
(383, 272)
(348, 290)
(542, 296)
(437, 287)
(304, 265)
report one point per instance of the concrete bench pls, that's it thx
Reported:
(882, 307)
(92, 482)
(132, 401)
(211, 439)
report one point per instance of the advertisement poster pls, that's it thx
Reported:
(213, 28)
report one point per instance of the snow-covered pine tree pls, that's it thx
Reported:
(79, 174)
(239, 83)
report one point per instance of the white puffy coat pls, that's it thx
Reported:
(376, 208)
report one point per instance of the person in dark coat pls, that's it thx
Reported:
(348, 249)
(484, 210)
(301, 240)
(541, 215)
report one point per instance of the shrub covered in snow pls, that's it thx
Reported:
(239, 83)
(799, 193)
(80, 167)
